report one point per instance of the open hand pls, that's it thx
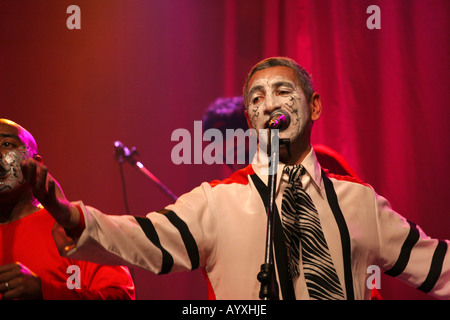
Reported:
(49, 193)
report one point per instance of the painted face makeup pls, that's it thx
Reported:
(276, 88)
(11, 176)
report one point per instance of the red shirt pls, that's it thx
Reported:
(29, 241)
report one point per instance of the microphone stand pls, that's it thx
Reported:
(123, 153)
(269, 285)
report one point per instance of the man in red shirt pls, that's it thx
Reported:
(30, 265)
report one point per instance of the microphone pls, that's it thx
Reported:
(279, 119)
(121, 152)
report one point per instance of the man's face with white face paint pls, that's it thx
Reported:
(278, 88)
(13, 150)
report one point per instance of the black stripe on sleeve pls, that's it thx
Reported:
(186, 235)
(405, 252)
(152, 235)
(435, 268)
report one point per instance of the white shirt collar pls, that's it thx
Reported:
(313, 175)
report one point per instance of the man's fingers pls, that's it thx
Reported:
(24, 168)
(6, 276)
(7, 267)
(9, 274)
(42, 179)
(31, 174)
(11, 284)
(51, 188)
(13, 292)
(36, 176)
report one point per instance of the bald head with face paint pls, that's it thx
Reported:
(16, 145)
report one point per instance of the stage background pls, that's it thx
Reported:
(137, 70)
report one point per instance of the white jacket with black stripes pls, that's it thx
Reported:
(221, 227)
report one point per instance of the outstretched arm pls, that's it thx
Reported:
(182, 237)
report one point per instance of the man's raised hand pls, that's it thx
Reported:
(49, 193)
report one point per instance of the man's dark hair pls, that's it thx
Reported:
(303, 77)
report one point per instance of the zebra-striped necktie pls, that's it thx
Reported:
(301, 225)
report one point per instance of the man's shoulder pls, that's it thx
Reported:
(345, 178)
(240, 177)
